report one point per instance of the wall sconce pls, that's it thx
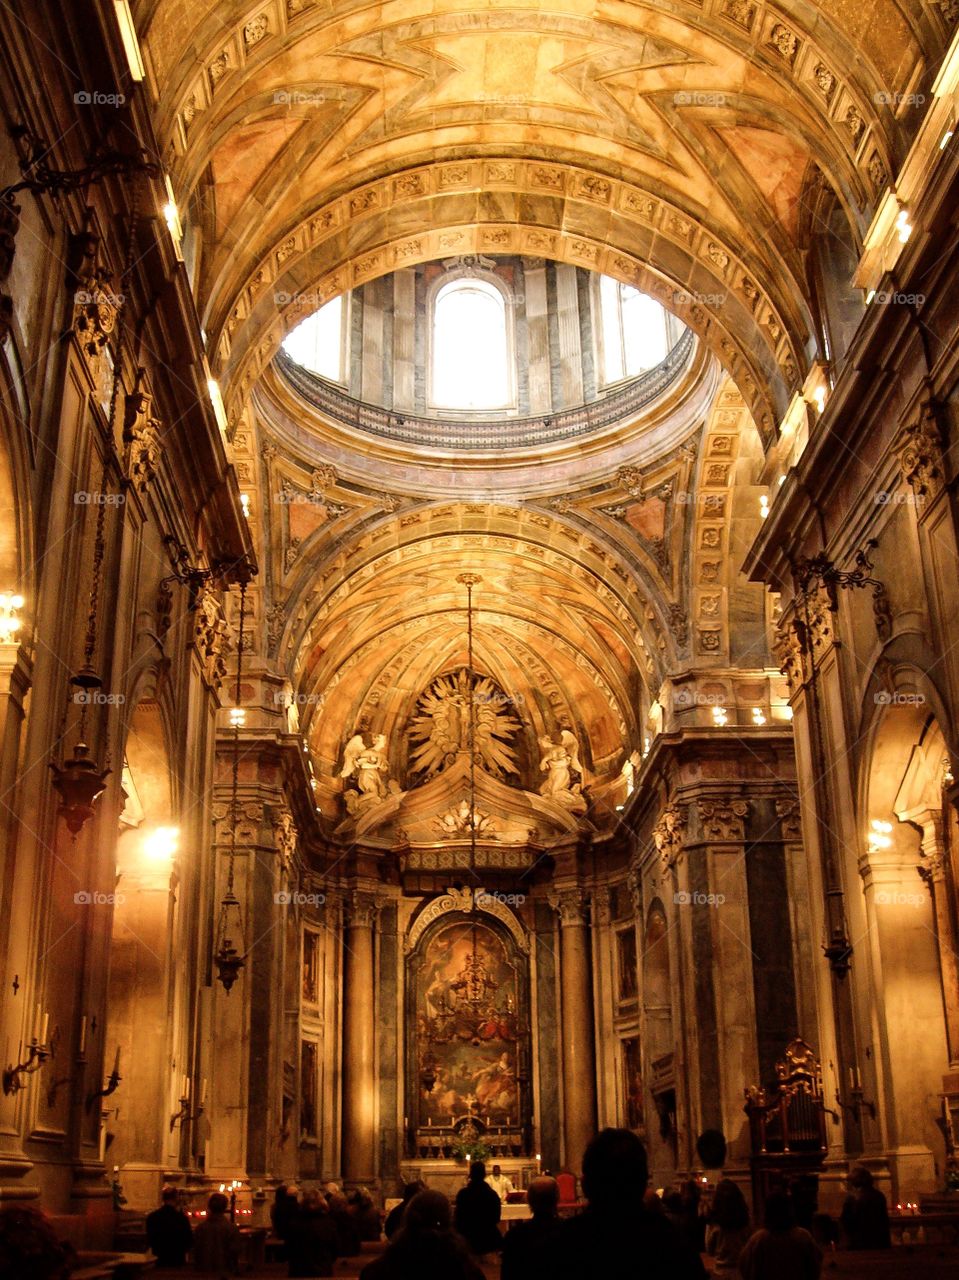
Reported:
(185, 1115)
(38, 1051)
(720, 717)
(111, 1085)
(10, 607)
(759, 717)
(903, 226)
(764, 505)
(859, 1102)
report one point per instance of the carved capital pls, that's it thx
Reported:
(141, 435)
(571, 905)
(788, 653)
(668, 834)
(209, 633)
(723, 819)
(95, 310)
(361, 909)
(790, 821)
(919, 446)
(285, 834)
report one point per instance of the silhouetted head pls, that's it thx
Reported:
(730, 1210)
(859, 1177)
(169, 1195)
(412, 1189)
(427, 1211)
(778, 1215)
(477, 1171)
(217, 1204)
(543, 1197)
(615, 1169)
(314, 1202)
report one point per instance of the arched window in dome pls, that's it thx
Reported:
(634, 328)
(471, 361)
(318, 343)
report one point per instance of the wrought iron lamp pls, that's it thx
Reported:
(227, 958)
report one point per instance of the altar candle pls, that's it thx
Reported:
(186, 1088)
(116, 1062)
(83, 1036)
(46, 1027)
(203, 1093)
(451, 1122)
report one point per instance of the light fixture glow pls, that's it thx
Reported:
(879, 835)
(788, 712)
(782, 480)
(245, 504)
(869, 296)
(128, 34)
(903, 226)
(216, 399)
(161, 844)
(945, 139)
(237, 717)
(819, 396)
(764, 505)
(719, 716)
(759, 716)
(10, 606)
(172, 216)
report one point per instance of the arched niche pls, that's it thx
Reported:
(467, 1026)
(908, 942)
(141, 991)
(658, 1025)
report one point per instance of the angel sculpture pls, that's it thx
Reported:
(560, 762)
(369, 766)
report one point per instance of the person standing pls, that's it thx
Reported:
(217, 1243)
(526, 1242)
(616, 1237)
(169, 1233)
(312, 1240)
(500, 1183)
(477, 1212)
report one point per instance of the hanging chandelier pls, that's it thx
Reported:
(227, 957)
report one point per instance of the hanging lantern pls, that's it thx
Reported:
(80, 784)
(227, 958)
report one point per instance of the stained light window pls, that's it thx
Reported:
(317, 343)
(471, 350)
(635, 333)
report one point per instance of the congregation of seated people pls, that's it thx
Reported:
(623, 1229)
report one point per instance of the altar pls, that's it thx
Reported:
(448, 1176)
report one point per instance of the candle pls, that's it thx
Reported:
(36, 1025)
(203, 1093)
(451, 1122)
(186, 1088)
(116, 1062)
(83, 1036)
(852, 1079)
(46, 1027)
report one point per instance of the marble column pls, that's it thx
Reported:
(578, 1050)
(933, 871)
(359, 1085)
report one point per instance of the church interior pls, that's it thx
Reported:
(478, 571)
